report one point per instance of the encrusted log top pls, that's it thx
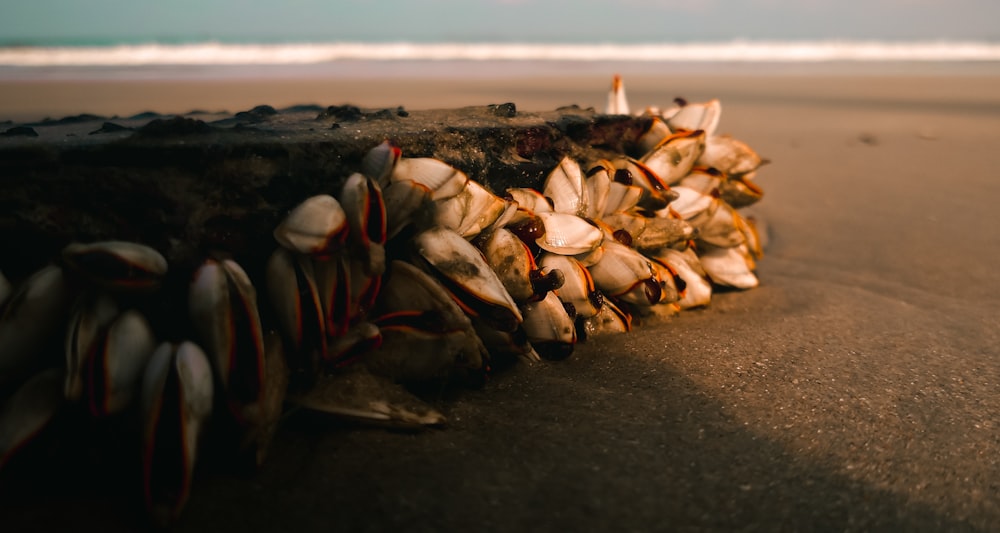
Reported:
(217, 182)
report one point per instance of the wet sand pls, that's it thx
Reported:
(856, 389)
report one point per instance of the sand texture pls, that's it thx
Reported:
(855, 389)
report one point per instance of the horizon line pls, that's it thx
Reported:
(750, 50)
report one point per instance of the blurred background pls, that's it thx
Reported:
(110, 22)
(65, 56)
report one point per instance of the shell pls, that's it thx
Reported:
(589, 259)
(407, 288)
(530, 200)
(335, 290)
(740, 191)
(732, 267)
(360, 339)
(624, 225)
(666, 112)
(674, 157)
(414, 300)
(697, 116)
(730, 156)
(621, 198)
(92, 315)
(317, 226)
(27, 413)
(442, 179)
(689, 204)
(403, 201)
(362, 396)
(510, 213)
(578, 289)
(364, 207)
(720, 227)
(409, 292)
(668, 282)
(510, 258)
(410, 353)
(664, 231)
(617, 102)
(567, 189)
(130, 342)
(504, 345)
(292, 290)
(568, 234)
(703, 180)
(697, 291)
(658, 130)
(117, 265)
(622, 270)
(629, 171)
(470, 211)
(610, 319)
(364, 288)
(176, 403)
(378, 162)
(466, 274)
(223, 306)
(646, 293)
(549, 327)
(33, 314)
(598, 185)
(259, 436)
(755, 230)
(650, 232)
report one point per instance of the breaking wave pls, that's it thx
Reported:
(213, 53)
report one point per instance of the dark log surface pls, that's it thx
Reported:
(208, 183)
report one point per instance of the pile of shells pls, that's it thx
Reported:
(412, 271)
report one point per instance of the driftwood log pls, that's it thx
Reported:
(206, 183)
(217, 184)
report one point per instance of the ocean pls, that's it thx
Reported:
(206, 60)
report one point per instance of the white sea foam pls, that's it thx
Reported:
(213, 53)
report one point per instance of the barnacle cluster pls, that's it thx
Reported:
(410, 271)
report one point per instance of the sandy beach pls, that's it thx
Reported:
(857, 389)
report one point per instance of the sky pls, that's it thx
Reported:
(104, 21)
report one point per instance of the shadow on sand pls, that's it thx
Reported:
(598, 443)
